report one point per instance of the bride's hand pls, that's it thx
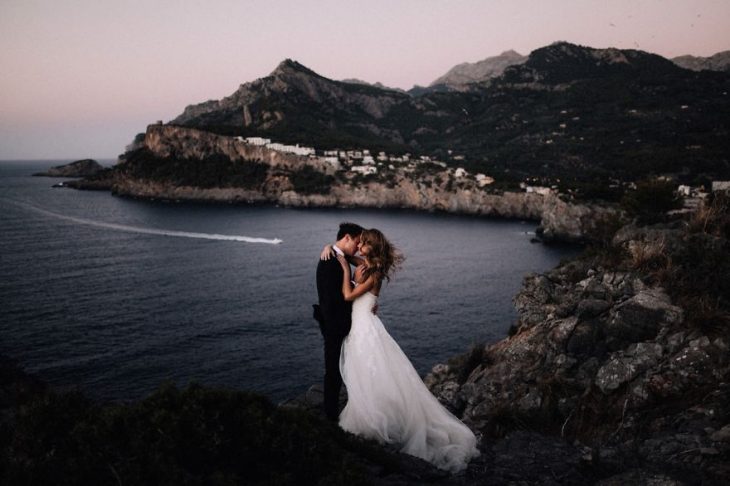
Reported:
(327, 252)
(344, 263)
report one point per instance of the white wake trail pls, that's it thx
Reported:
(150, 231)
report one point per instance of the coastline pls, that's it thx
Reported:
(137, 175)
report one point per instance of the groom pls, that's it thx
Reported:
(334, 314)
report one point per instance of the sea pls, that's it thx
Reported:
(115, 296)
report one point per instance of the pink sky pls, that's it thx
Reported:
(80, 78)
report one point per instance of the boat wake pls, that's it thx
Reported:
(147, 231)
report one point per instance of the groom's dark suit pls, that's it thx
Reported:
(335, 318)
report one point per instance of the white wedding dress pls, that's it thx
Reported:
(389, 402)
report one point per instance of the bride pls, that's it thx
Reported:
(387, 400)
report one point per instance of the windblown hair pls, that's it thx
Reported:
(384, 258)
(351, 229)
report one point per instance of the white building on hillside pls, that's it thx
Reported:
(720, 186)
(258, 140)
(484, 180)
(543, 191)
(364, 169)
(290, 149)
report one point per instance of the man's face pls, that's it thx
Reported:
(350, 246)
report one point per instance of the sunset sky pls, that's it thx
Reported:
(79, 78)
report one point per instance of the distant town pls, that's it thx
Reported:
(362, 161)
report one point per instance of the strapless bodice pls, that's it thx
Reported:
(364, 303)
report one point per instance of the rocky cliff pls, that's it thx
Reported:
(166, 144)
(626, 352)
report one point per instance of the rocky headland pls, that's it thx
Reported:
(623, 353)
(158, 168)
(79, 168)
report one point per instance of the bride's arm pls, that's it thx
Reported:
(328, 252)
(347, 291)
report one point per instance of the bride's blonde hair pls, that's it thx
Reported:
(384, 258)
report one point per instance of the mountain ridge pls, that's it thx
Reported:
(569, 112)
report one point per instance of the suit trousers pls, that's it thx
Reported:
(332, 376)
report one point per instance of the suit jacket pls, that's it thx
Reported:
(335, 313)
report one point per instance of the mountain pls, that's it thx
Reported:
(294, 104)
(563, 62)
(716, 62)
(462, 75)
(569, 115)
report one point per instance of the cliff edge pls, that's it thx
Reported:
(625, 350)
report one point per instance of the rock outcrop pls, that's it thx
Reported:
(602, 354)
(80, 168)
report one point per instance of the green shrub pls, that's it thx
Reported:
(310, 181)
(216, 170)
(651, 200)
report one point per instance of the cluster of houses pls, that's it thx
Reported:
(363, 162)
(279, 147)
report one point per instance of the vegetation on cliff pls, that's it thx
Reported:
(196, 435)
(215, 170)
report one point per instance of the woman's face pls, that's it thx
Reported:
(364, 248)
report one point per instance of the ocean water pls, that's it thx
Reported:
(115, 296)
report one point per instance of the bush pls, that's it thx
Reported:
(651, 200)
(310, 181)
(193, 436)
(216, 170)
(466, 363)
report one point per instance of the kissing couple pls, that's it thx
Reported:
(387, 400)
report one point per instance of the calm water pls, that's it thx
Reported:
(94, 295)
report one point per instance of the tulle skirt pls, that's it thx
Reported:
(388, 401)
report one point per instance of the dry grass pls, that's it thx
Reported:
(713, 216)
(649, 255)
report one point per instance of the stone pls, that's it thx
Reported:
(625, 366)
(640, 317)
(591, 307)
(722, 435)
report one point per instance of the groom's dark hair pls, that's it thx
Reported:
(351, 229)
